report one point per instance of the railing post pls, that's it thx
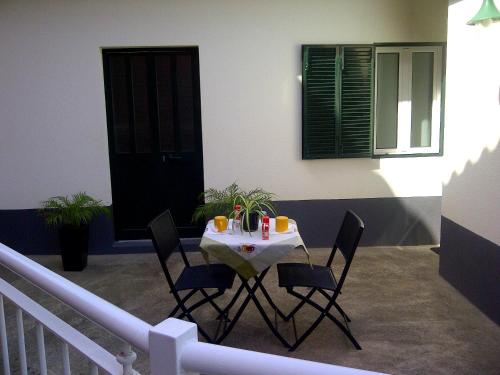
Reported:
(126, 358)
(166, 342)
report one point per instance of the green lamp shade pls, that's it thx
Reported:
(487, 13)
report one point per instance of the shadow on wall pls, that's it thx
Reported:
(474, 194)
(390, 221)
(469, 261)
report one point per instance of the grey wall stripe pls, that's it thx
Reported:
(389, 221)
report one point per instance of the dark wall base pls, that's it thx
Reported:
(389, 221)
(25, 231)
(471, 264)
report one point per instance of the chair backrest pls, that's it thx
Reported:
(165, 238)
(347, 242)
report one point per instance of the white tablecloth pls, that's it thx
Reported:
(227, 247)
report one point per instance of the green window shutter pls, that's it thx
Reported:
(356, 102)
(319, 105)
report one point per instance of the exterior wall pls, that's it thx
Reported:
(470, 236)
(52, 107)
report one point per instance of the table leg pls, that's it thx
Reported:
(271, 302)
(244, 284)
(251, 294)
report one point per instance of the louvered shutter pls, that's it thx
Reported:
(356, 102)
(319, 104)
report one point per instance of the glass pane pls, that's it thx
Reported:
(185, 103)
(165, 103)
(142, 127)
(119, 100)
(387, 100)
(421, 98)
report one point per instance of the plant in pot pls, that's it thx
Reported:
(216, 202)
(71, 216)
(254, 205)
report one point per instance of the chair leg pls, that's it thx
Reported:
(212, 302)
(186, 313)
(236, 317)
(200, 303)
(233, 300)
(271, 303)
(184, 299)
(307, 333)
(299, 306)
(342, 312)
(339, 309)
(324, 312)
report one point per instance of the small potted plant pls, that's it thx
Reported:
(254, 205)
(71, 216)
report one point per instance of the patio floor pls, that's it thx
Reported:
(407, 319)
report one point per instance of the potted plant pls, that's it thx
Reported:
(254, 205)
(216, 202)
(222, 202)
(72, 216)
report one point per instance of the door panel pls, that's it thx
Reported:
(154, 130)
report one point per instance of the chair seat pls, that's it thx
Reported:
(302, 275)
(217, 276)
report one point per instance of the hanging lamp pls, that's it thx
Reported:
(487, 14)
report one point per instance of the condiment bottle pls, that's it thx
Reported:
(237, 219)
(265, 227)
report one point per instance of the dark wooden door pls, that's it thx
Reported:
(154, 133)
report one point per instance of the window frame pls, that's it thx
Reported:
(404, 110)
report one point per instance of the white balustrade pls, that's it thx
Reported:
(172, 345)
(3, 334)
(40, 342)
(23, 365)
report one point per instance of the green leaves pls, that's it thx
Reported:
(79, 209)
(222, 202)
(255, 201)
(217, 202)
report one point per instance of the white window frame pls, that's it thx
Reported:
(404, 102)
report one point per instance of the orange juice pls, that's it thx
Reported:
(220, 223)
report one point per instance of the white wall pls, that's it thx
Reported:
(52, 110)
(471, 192)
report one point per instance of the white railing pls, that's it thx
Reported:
(172, 345)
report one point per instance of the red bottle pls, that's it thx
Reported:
(265, 227)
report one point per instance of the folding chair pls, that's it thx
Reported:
(321, 279)
(193, 278)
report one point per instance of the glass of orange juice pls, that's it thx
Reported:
(220, 223)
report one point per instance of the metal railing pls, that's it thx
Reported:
(172, 345)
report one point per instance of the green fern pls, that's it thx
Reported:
(216, 202)
(79, 209)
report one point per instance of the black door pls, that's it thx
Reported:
(154, 133)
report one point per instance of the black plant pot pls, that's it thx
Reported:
(253, 221)
(74, 243)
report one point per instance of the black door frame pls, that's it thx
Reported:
(198, 137)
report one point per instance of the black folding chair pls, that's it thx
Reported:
(193, 278)
(321, 279)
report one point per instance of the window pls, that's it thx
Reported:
(337, 101)
(365, 101)
(407, 100)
